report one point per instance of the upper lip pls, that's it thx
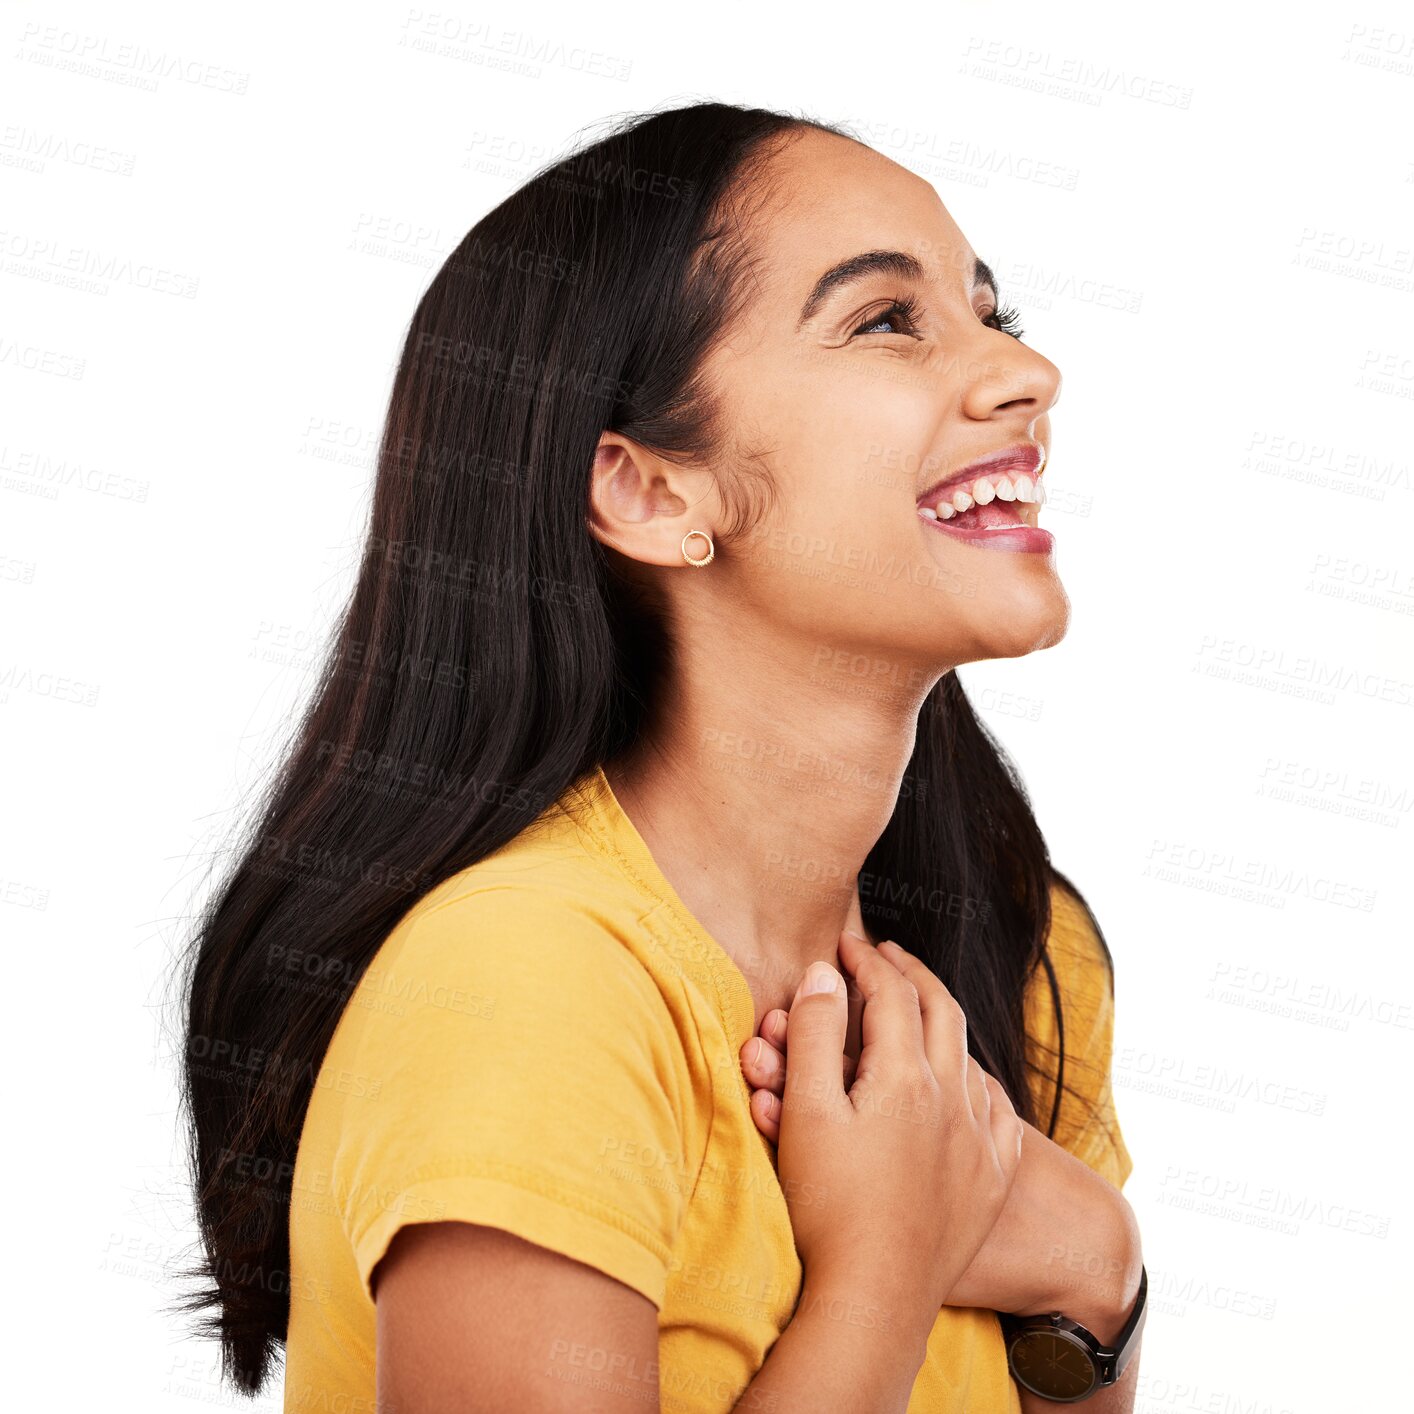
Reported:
(1024, 456)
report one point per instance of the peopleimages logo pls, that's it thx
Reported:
(1171, 861)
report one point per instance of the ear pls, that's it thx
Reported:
(643, 506)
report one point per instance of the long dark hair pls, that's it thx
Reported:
(491, 654)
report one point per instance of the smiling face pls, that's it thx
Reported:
(871, 364)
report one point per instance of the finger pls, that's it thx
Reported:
(944, 1023)
(773, 1028)
(775, 1025)
(892, 1023)
(979, 1093)
(817, 1026)
(766, 1111)
(763, 1066)
(1008, 1130)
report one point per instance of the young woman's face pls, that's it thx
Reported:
(857, 408)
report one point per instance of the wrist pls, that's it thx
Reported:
(865, 1309)
(1063, 1358)
(1096, 1285)
(847, 1348)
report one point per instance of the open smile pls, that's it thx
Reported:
(997, 508)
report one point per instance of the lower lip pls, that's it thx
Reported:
(1023, 539)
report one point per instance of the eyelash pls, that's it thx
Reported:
(1007, 318)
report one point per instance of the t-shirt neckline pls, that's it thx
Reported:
(615, 829)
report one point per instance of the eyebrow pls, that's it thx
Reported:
(880, 262)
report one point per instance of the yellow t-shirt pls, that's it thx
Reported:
(548, 1043)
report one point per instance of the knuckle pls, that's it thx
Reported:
(920, 1087)
(810, 1011)
(951, 1119)
(875, 968)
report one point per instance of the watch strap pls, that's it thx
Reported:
(1127, 1341)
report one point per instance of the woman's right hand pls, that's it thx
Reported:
(893, 1186)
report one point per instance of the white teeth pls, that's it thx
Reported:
(1026, 487)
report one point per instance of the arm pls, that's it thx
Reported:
(495, 1120)
(470, 1317)
(1066, 1240)
(1068, 1202)
(831, 1358)
(1066, 1237)
(1091, 1274)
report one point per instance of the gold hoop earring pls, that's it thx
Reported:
(711, 549)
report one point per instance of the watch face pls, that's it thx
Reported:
(1053, 1363)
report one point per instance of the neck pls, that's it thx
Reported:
(761, 790)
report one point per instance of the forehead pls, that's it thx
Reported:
(832, 198)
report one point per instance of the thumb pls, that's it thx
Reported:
(817, 1021)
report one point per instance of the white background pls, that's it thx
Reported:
(1204, 217)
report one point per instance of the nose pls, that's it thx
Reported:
(1008, 378)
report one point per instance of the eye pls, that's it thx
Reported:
(1006, 319)
(904, 308)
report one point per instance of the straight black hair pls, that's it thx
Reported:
(491, 654)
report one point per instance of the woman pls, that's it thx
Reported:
(709, 457)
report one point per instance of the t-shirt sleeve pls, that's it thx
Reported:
(1087, 1124)
(529, 1077)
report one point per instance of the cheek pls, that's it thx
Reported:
(843, 497)
(865, 436)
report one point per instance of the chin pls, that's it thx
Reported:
(1032, 620)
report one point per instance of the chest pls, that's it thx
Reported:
(734, 1276)
(766, 999)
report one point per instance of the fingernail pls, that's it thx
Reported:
(850, 933)
(819, 977)
(754, 1052)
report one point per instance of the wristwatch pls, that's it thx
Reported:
(1059, 1359)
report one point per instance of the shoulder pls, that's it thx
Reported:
(542, 910)
(532, 963)
(1075, 941)
(1083, 1030)
(526, 1063)
(495, 925)
(1079, 961)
